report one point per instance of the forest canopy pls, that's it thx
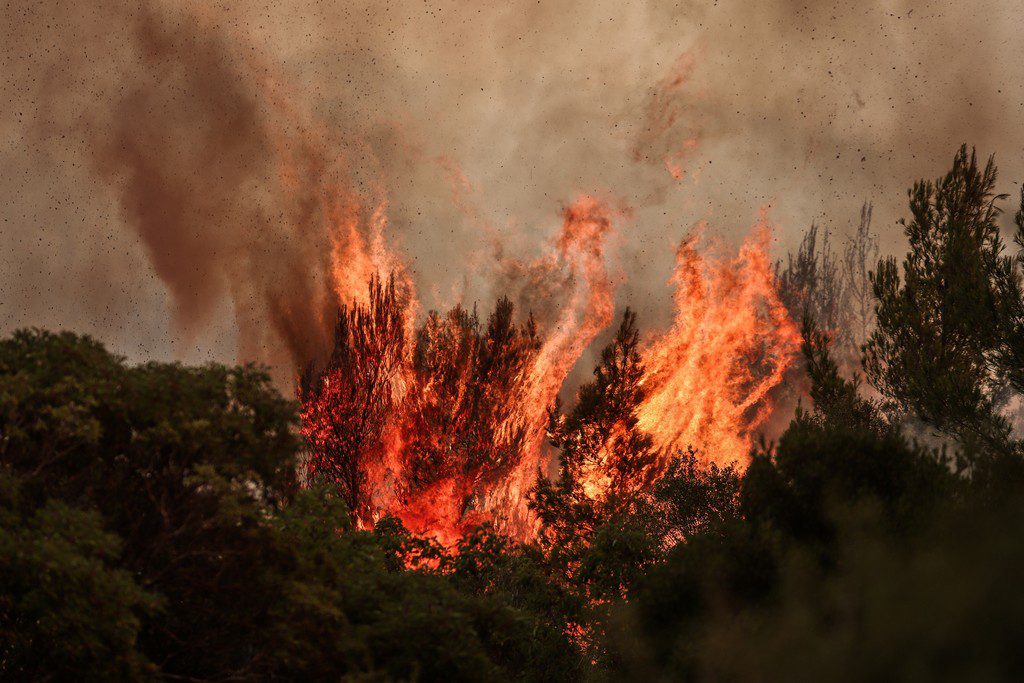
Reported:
(160, 521)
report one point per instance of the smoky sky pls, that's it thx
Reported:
(142, 197)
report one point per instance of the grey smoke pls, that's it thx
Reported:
(141, 199)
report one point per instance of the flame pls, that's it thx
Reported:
(580, 245)
(668, 133)
(444, 429)
(707, 379)
(443, 426)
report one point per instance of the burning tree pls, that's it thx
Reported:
(708, 379)
(442, 426)
(347, 404)
(463, 430)
(606, 461)
(604, 455)
(424, 427)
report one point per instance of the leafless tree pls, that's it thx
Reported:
(859, 257)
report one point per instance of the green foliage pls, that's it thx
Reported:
(600, 542)
(837, 400)
(183, 464)
(942, 607)
(937, 344)
(1009, 356)
(343, 609)
(604, 460)
(66, 609)
(857, 553)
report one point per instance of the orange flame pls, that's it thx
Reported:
(580, 247)
(708, 378)
(444, 429)
(674, 160)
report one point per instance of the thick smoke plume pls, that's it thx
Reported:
(175, 173)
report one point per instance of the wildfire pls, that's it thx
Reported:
(704, 384)
(589, 310)
(441, 419)
(708, 378)
(444, 427)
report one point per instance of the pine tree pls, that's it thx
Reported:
(934, 354)
(597, 507)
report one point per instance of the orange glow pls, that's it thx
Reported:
(707, 379)
(444, 429)
(580, 248)
(674, 160)
(444, 426)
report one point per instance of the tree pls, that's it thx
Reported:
(837, 400)
(450, 395)
(604, 458)
(860, 255)
(66, 609)
(935, 352)
(1010, 353)
(938, 605)
(793, 517)
(813, 284)
(151, 526)
(464, 427)
(619, 504)
(603, 453)
(182, 464)
(346, 404)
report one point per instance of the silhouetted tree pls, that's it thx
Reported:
(604, 458)
(67, 610)
(935, 351)
(151, 526)
(813, 284)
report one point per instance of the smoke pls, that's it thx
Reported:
(174, 173)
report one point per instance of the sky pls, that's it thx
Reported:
(164, 166)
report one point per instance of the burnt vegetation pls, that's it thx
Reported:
(169, 522)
